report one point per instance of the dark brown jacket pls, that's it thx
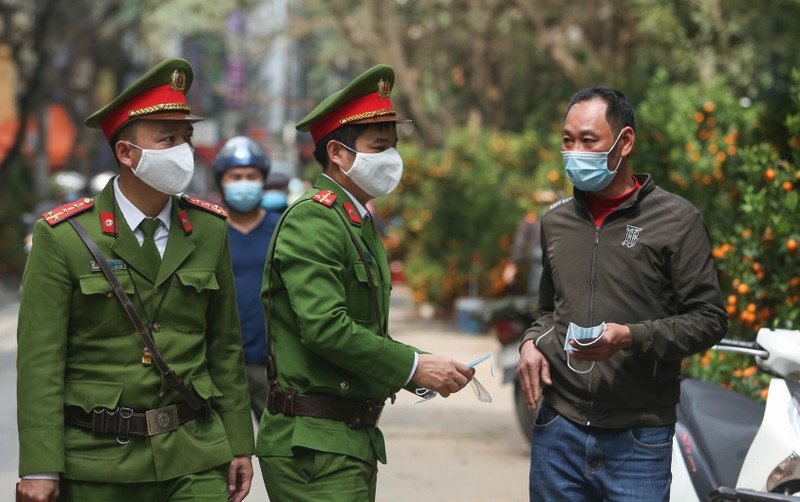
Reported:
(648, 266)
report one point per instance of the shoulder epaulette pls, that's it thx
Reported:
(324, 197)
(68, 210)
(205, 205)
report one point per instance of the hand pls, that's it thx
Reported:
(509, 272)
(240, 475)
(441, 374)
(37, 490)
(615, 337)
(533, 370)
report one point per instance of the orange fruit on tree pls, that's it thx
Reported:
(791, 245)
(743, 289)
(787, 186)
(769, 175)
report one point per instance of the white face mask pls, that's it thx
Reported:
(376, 173)
(169, 171)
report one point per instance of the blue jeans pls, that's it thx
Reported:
(577, 463)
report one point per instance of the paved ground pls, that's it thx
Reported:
(445, 449)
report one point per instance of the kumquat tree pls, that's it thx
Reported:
(749, 196)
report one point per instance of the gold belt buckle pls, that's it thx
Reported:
(162, 420)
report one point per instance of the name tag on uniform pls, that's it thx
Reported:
(113, 264)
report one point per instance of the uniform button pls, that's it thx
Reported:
(109, 295)
(161, 394)
(344, 386)
(155, 291)
(156, 327)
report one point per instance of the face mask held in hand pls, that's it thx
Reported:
(376, 173)
(243, 196)
(583, 337)
(588, 171)
(169, 171)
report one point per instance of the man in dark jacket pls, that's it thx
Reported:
(628, 290)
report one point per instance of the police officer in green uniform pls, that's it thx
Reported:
(97, 420)
(326, 297)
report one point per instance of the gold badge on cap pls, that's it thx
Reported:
(384, 89)
(178, 80)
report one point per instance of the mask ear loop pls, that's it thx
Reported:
(582, 372)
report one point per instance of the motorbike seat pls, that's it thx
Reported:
(723, 424)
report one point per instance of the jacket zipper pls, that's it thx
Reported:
(595, 247)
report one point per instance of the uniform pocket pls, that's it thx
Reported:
(97, 310)
(198, 280)
(88, 394)
(204, 386)
(359, 298)
(81, 444)
(195, 287)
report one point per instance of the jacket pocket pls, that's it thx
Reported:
(195, 289)
(359, 298)
(204, 386)
(97, 284)
(88, 394)
(198, 280)
(97, 310)
(81, 445)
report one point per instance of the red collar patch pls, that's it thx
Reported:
(186, 223)
(108, 223)
(352, 212)
(325, 197)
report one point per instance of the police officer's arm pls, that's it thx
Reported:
(42, 331)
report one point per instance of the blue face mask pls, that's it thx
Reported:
(243, 196)
(588, 171)
(274, 200)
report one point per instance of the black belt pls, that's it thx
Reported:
(124, 422)
(356, 414)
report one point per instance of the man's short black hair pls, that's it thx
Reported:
(619, 112)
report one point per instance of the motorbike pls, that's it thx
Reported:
(507, 319)
(729, 447)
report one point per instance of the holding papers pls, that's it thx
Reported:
(480, 391)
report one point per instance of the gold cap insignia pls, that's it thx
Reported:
(178, 81)
(384, 89)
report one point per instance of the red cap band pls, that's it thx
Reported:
(158, 99)
(365, 107)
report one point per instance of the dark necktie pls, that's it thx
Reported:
(150, 252)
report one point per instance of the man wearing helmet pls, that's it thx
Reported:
(240, 169)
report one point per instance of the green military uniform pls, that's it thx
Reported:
(326, 334)
(77, 347)
(79, 354)
(326, 337)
